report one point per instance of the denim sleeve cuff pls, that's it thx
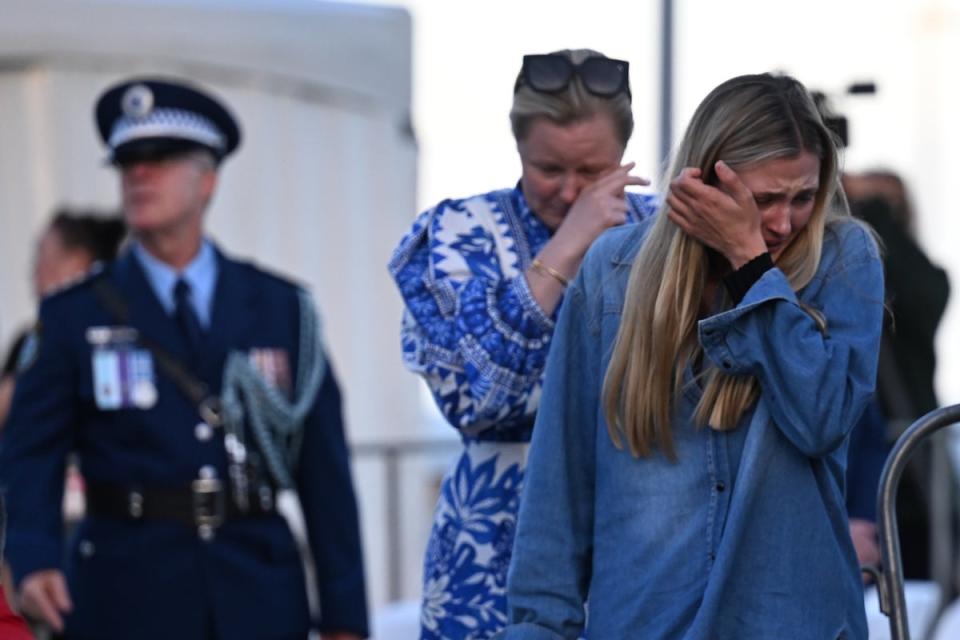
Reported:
(720, 333)
(530, 304)
(527, 631)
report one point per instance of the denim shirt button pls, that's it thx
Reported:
(727, 364)
(720, 486)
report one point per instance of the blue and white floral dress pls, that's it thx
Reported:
(476, 334)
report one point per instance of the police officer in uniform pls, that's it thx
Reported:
(192, 387)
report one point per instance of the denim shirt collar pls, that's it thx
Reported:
(624, 254)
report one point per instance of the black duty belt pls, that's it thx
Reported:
(205, 504)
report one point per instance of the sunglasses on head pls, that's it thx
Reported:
(552, 72)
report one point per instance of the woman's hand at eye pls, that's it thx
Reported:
(725, 218)
(599, 206)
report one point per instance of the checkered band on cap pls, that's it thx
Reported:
(167, 123)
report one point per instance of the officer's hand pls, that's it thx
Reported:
(43, 596)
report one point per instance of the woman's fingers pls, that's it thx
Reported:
(675, 202)
(617, 179)
(694, 189)
(678, 208)
(678, 219)
(730, 182)
(684, 197)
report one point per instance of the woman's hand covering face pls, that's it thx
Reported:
(760, 208)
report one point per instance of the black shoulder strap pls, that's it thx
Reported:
(190, 385)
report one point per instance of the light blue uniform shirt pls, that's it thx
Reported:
(745, 536)
(200, 274)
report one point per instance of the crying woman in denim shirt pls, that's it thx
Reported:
(686, 475)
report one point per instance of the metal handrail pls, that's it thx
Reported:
(889, 575)
(392, 454)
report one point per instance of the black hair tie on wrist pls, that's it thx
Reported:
(739, 282)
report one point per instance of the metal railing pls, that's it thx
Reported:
(392, 454)
(889, 575)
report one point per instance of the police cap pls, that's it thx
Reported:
(150, 119)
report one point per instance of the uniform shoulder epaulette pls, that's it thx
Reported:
(97, 271)
(273, 277)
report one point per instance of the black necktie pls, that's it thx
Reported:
(187, 317)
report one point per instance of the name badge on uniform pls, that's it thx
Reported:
(273, 365)
(123, 373)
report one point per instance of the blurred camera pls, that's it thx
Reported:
(835, 122)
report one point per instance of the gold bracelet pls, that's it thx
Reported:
(550, 271)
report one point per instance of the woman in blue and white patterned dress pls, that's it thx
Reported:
(482, 278)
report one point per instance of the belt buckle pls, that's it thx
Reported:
(209, 505)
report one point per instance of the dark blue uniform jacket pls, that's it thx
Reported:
(159, 579)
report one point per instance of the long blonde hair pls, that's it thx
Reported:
(744, 121)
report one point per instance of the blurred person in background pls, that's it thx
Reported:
(917, 292)
(72, 243)
(880, 199)
(68, 248)
(687, 469)
(918, 289)
(192, 387)
(482, 279)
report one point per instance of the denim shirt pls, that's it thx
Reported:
(744, 536)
